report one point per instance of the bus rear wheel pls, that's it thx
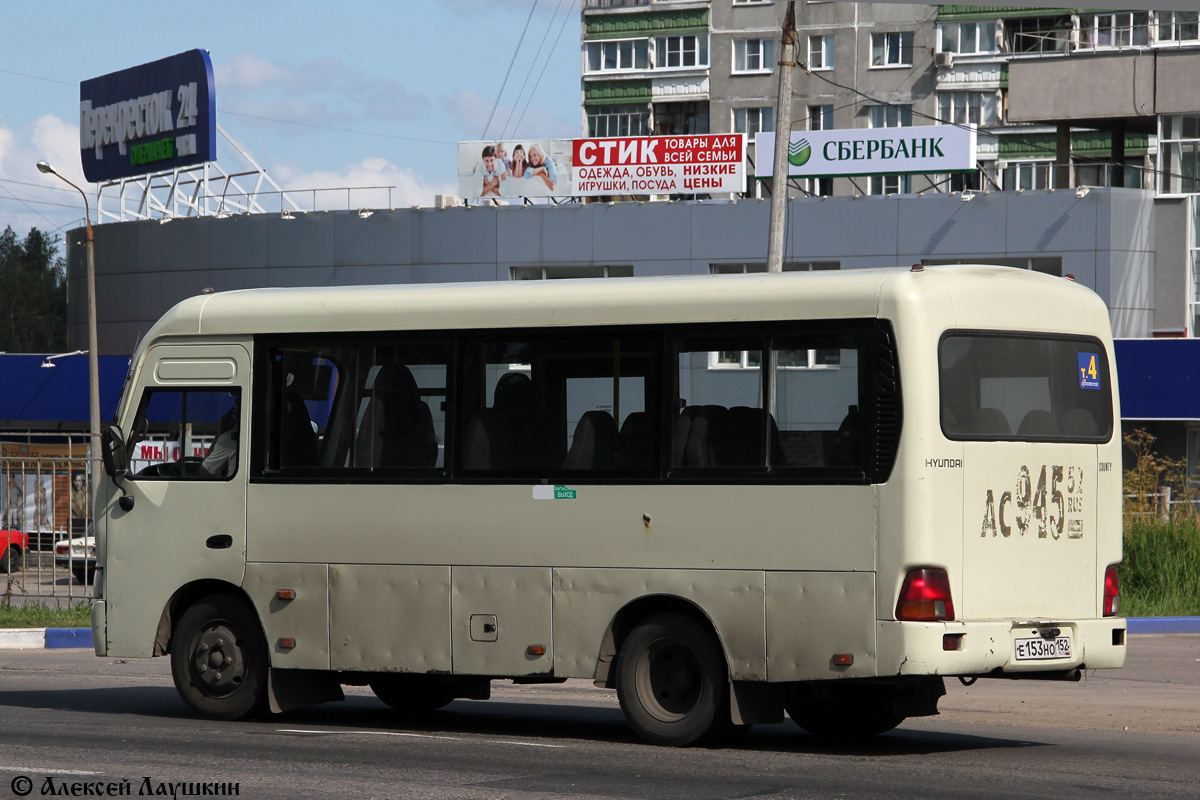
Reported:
(411, 694)
(219, 659)
(672, 681)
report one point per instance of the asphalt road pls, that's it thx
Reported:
(67, 717)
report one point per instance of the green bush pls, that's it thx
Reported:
(1160, 574)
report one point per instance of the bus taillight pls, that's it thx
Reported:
(925, 596)
(1112, 591)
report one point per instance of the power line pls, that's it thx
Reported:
(528, 72)
(511, 61)
(338, 130)
(532, 94)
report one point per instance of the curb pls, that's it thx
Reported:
(44, 638)
(61, 638)
(1163, 625)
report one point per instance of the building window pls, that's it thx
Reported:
(680, 52)
(892, 49)
(967, 108)
(1109, 30)
(630, 119)
(753, 55)
(680, 118)
(752, 120)
(1026, 175)
(820, 118)
(889, 184)
(1179, 148)
(820, 52)
(1038, 34)
(967, 38)
(819, 187)
(893, 116)
(1178, 26)
(1193, 243)
(554, 273)
(618, 56)
(966, 181)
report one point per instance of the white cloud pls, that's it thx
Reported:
(410, 188)
(246, 71)
(29, 199)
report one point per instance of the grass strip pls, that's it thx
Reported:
(38, 615)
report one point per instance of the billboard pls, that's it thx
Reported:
(695, 164)
(153, 117)
(871, 151)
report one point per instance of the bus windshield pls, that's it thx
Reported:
(1012, 387)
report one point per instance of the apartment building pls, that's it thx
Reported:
(682, 66)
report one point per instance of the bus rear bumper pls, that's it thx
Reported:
(1001, 648)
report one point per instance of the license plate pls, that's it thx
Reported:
(1039, 649)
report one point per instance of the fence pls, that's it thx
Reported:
(45, 486)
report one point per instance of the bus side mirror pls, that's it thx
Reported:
(113, 452)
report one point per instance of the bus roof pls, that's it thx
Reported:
(1036, 299)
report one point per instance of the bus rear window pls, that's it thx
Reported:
(1005, 387)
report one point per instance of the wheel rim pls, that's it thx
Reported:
(669, 680)
(219, 659)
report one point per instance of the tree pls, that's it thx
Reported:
(33, 294)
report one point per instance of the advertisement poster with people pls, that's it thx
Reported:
(525, 168)
(702, 164)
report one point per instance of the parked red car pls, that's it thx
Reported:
(13, 545)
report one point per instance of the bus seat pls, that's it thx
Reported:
(706, 444)
(746, 437)
(1038, 422)
(297, 440)
(848, 442)
(635, 448)
(1079, 422)
(987, 421)
(679, 434)
(397, 428)
(595, 443)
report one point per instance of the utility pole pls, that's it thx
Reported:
(783, 137)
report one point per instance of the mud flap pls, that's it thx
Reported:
(289, 689)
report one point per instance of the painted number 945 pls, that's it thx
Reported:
(1055, 506)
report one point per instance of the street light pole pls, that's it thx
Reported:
(93, 347)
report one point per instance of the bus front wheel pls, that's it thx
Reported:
(219, 659)
(672, 682)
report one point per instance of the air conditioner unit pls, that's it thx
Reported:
(943, 60)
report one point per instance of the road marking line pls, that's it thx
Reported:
(44, 770)
(419, 736)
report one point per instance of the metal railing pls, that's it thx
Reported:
(45, 483)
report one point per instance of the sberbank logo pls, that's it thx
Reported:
(799, 152)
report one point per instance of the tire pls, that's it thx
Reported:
(672, 681)
(219, 659)
(846, 716)
(411, 694)
(84, 575)
(12, 560)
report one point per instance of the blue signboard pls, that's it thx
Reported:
(151, 118)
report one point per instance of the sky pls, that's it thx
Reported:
(320, 94)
